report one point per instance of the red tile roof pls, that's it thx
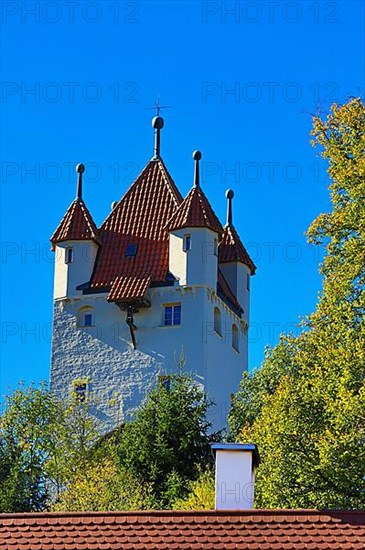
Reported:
(139, 218)
(166, 530)
(195, 211)
(231, 249)
(150, 207)
(76, 225)
(129, 289)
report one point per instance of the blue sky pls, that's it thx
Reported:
(242, 79)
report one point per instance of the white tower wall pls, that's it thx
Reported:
(199, 265)
(119, 377)
(67, 276)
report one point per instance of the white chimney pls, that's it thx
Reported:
(235, 465)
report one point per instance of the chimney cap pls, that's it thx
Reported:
(243, 447)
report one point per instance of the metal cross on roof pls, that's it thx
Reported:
(159, 107)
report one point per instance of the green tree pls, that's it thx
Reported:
(305, 407)
(26, 442)
(51, 455)
(148, 463)
(168, 443)
(75, 446)
(44, 446)
(100, 485)
(201, 494)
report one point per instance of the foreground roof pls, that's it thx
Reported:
(166, 530)
(76, 225)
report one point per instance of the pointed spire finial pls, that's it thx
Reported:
(157, 124)
(197, 156)
(229, 196)
(80, 169)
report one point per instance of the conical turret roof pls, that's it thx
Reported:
(195, 211)
(76, 225)
(231, 249)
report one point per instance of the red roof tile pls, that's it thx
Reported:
(203, 530)
(151, 206)
(129, 289)
(76, 225)
(139, 218)
(195, 211)
(231, 249)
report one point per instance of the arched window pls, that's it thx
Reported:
(217, 321)
(235, 338)
(85, 317)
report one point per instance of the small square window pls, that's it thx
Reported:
(88, 320)
(187, 243)
(69, 256)
(131, 250)
(173, 315)
(80, 392)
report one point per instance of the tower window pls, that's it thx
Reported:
(248, 281)
(69, 255)
(172, 315)
(131, 250)
(88, 320)
(215, 247)
(187, 243)
(85, 317)
(217, 321)
(80, 390)
(235, 338)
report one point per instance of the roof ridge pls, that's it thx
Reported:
(210, 512)
(166, 175)
(170, 180)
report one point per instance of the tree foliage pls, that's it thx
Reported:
(51, 455)
(305, 407)
(27, 439)
(100, 486)
(168, 443)
(201, 493)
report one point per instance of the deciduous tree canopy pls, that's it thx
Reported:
(52, 456)
(305, 407)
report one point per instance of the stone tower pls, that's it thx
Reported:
(160, 278)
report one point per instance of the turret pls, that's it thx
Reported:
(194, 235)
(75, 243)
(235, 262)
